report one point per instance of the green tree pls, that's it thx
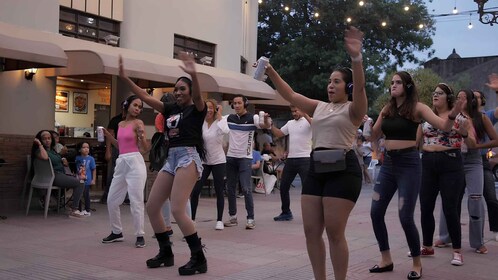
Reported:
(305, 49)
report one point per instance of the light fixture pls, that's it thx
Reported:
(361, 3)
(420, 26)
(260, 1)
(29, 73)
(383, 24)
(286, 8)
(407, 8)
(317, 14)
(470, 22)
(348, 19)
(486, 16)
(455, 10)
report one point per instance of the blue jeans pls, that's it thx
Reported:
(239, 168)
(293, 166)
(401, 171)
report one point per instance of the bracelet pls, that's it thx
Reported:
(357, 58)
(451, 118)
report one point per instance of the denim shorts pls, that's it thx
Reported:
(181, 157)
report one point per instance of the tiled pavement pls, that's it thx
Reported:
(67, 248)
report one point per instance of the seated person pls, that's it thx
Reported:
(59, 147)
(256, 162)
(43, 148)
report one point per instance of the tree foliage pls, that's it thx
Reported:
(305, 49)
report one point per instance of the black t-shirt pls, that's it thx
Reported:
(183, 125)
(114, 124)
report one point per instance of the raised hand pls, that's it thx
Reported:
(353, 39)
(121, 67)
(37, 142)
(188, 62)
(493, 82)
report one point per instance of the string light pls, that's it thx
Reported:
(383, 24)
(260, 1)
(470, 22)
(317, 14)
(420, 26)
(361, 3)
(407, 8)
(348, 19)
(286, 8)
(455, 10)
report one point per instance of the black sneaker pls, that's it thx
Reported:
(113, 238)
(140, 243)
(284, 217)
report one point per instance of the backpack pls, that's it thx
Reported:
(158, 151)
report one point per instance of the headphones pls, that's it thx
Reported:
(481, 95)
(244, 99)
(127, 102)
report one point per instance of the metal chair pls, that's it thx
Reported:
(259, 177)
(43, 179)
(27, 179)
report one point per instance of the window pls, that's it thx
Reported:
(78, 24)
(203, 51)
(243, 65)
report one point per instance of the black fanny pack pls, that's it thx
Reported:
(329, 160)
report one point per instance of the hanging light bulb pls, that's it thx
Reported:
(420, 26)
(455, 10)
(470, 22)
(286, 8)
(407, 8)
(348, 19)
(383, 24)
(361, 3)
(317, 14)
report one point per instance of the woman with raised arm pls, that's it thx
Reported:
(130, 173)
(330, 191)
(183, 166)
(401, 171)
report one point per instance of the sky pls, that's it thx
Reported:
(452, 31)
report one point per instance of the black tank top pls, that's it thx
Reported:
(399, 128)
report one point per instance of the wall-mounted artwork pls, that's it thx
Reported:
(80, 102)
(62, 101)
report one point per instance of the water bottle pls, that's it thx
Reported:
(261, 68)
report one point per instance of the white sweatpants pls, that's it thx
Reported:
(130, 176)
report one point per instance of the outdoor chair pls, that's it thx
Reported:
(43, 179)
(259, 176)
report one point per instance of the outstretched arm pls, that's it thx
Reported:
(189, 68)
(353, 43)
(305, 104)
(140, 92)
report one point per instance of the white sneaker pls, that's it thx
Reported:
(457, 259)
(219, 225)
(76, 214)
(86, 213)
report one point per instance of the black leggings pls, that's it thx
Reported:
(442, 172)
(219, 172)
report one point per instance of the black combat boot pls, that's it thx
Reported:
(197, 262)
(165, 255)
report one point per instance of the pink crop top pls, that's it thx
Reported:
(127, 140)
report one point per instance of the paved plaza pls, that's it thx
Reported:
(66, 248)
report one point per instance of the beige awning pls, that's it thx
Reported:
(230, 82)
(23, 53)
(89, 58)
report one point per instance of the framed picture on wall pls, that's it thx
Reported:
(62, 101)
(80, 102)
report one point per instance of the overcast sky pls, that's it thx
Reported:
(452, 31)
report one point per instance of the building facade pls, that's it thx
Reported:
(75, 45)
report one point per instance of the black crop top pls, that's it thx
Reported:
(399, 128)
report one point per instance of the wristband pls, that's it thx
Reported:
(357, 58)
(451, 118)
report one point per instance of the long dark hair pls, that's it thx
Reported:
(35, 147)
(474, 114)
(406, 110)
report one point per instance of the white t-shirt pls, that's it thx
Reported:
(299, 137)
(366, 149)
(241, 135)
(213, 141)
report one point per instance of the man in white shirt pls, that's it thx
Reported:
(242, 127)
(298, 159)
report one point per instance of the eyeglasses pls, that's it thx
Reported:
(398, 82)
(438, 93)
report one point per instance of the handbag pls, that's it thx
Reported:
(158, 152)
(329, 160)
